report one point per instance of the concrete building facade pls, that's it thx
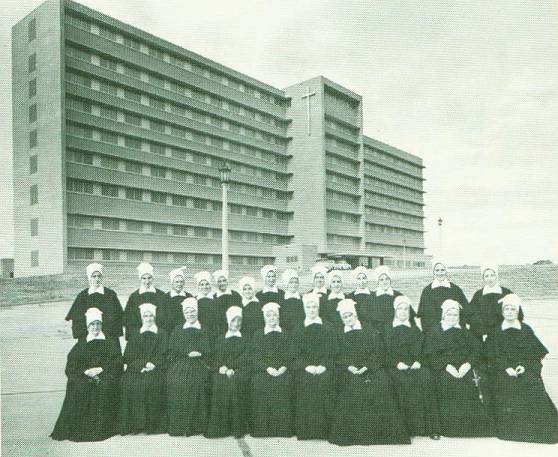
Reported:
(119, 135)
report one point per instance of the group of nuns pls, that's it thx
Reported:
(356, 368)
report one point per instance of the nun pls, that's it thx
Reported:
(315, 352)
(93, 369)
(270, 292)
(362, 294)
(522, 409)
(175, 296)
(319, 277)
(328, 307)
(252, 318)
(436, 293)
(383, 298)
(146, 293)
(229, 380)
(292, 309)
(453, 355)
(271, 388)
(486, 311)
(188, 374)
(224, 295)
(413, 381)
(210, 317)
(142, 407)
(100, 297)
(367, 411)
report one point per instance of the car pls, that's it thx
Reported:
(342, 265)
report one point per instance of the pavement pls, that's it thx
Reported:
(35, 340)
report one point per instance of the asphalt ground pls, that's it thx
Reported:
(35, 340)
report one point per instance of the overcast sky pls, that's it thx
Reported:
(471, 87)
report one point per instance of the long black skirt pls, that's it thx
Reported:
(143, 402)
(523, 410)
(367, 412)
(188, 398)
(315, 403)
(272, 399)
(89, 410)
(229, 406)
(462, 411)
(417, 400)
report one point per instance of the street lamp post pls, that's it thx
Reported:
(440, 246)
(404, 253)
(225, 175)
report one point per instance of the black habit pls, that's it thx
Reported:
(523, 410)
(107, 302)
(188, 382)
(367, 411)
(143, 396)
(91, 404)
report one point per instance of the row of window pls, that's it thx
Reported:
(342, 128)
(349, 148)
(392, 215)
(166, 128)
(390, 175)
(180, 258)
(379, 183)
(129, 193)
(156, 228)
(174, 59)
(394, 230)
(185, 91)
(395, 161)
(392, 201)
(341, 105)
(334, 178)
(394, 249)
(339, 216)
(341, 197)
(189, 156)
(338, 161)
(344, 240)
(113, 114)
(129, 166)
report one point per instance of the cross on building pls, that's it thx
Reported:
(307, 97)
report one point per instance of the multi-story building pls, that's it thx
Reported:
(119, 135)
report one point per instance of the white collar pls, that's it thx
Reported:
(437, 283)
(274, 329)
(292, 295)
(447, 327)
(357, 326)
(235, 333)
(96, 290)
(152, 329)
(174, 293)
(316, 320)
(194, 325)
(366, 291)
(245, 301)
(320, 291)
(515, 324)
(334, 295)
(266, 289)
(218, 293)
(492, 289)
(200, 295)
(100, 336)
(143, 290)
(384, 292)
(398, 323)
